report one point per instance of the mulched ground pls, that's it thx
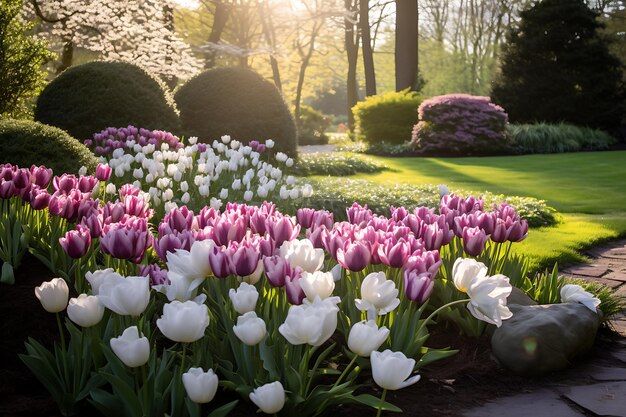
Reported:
(447, 388)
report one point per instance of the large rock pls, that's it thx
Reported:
(544, 338)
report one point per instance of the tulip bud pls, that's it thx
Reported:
(379, 293)
(318, 284)
(131, 349)
(270, 398)
(244, 299)
(86, 310)
(250, 329)
(365, 337)
(53, 295)
(200, 386)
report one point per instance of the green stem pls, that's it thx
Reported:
(61, 331)
(382, 401)
(182, 362)
(345, 371)
(434, 313)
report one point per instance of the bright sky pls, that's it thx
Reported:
(188, 4)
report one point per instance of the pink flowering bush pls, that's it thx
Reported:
(460, 124)
(105, 142)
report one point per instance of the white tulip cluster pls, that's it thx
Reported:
(225, 170)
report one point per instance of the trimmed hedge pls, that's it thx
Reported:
(236, 102)
(25, 143)
(388, 117)
(88, 98)
(460, 124)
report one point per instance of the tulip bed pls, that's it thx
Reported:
(295, 314)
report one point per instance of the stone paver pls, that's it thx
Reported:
(605, 373)
(593, 270)
(540, 403)
(605, 399)
(617, 276)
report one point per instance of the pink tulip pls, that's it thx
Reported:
(103, 172)
(354, 256)
(418, 287)
(282, 229)
(76, 242)
(41, 175)
(474, 240)
(276, 269)
(295, 293)
(305, 217)
(219, 259)
(358, 214)
(207, 217)
(179, 219)
(86, 184)
(394, 254)
(129, 189)
(65, 183)
(128, 240)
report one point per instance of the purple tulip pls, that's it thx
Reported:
(358, 214)
(76, 242)
(65, 183)
(316, 236)
(500, 232)
(39, 198)
(423, 261)
(113, 212)
(258, 222)
(414, 223)
(86, 208)
(62, 205)
(323, 218)
(434, 236)
(126, 240)
(93, 222)
(86, 184)
(518, 230)
(244, 257)
(207, 217)
(474, 240)
(418, 287)
(486, 221)
(424, 213)
(8, 189)
(157, 275)
(379, 223)
(305, 217)
(41, 175)
(398, 214)
(276, 269)
(226, 230)
(167, 244)
(137, 206)
(267, 246)
(103, 172)
(219, 259)
(129, 189)
(282, 229)
(179, 219)
(354, 256)
(295, 293)
(21, 178)
(333, 240)
(394, 254)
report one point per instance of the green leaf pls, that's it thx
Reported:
(224, 410)
(371, 401)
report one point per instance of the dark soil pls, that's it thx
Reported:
(447, 388)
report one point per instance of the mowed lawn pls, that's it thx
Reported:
(588, 189)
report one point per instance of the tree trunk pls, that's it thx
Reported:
(67, 57)
(406, 44)
(168, 16)
(222, 10)
(270, 38)
(368, 54)
(352, 52)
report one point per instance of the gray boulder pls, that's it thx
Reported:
(544, 338)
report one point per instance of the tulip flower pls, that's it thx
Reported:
(418, 286)
(250, 329)
(336, 271)
(518, 231)
(318, 284)
(394, 254)
(465, 271)
(474, 240)
(391, 370)
(220, 261)
(184, 322)
(131, 349)
(244, 299)
(41, 175)
(378, 293)
(103, 172)
(200, 386)
(302, 253)
(246, 261)
(76, 242)
(571, 293)
(312, 323)
(126, 296)
(275, 270)
(488, 299)
(270, 398)
(97, 278)
(293, 289)
(193, 264)
(86, 310)
(354, 256)
(53, 295)
(128, 240)
(305, 217)
(365, 337)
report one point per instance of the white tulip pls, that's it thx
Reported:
(378, 293)
(132, 350)
(307, 191)
(53, 295)
(236, 185)
(185, 198)
(365, 337)
(317, 284)
(336, 271)
(289, 162)
(184, 186)
(302, 253)
(82, 171)
(247, 196)
(572, 293)
(224, 194)
(312, 323)
(465, 271)
(184, 322)
(250, 329)
(111, 189)
(200, 386)
(270, 398)
(138, 173)
(488, 299)
(86, 310)
(244, 299)
(269, 143)
(125, 296)
(96, 278)
(390, 370)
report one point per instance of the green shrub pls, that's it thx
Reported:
(388, 117)
(88, 98)
(336, 164)
(236, 102)
(25, 143)
(312, 127)
(556, 138)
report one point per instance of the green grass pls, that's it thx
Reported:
(587, 188)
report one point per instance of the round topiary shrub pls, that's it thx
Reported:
(236, 102)
(460, 124)
(387, 117)
(87, 98)
(25, 143)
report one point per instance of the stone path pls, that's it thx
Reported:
(595, 388)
